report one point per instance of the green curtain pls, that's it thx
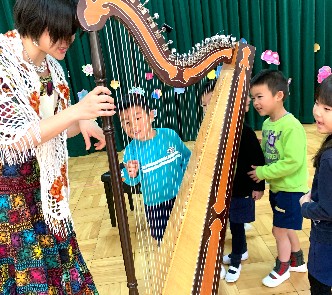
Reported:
(290, 27)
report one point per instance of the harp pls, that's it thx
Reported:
(203, 199)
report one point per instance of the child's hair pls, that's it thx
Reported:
(274, 80)
(32, 18)
(324, 96)
(132, 100)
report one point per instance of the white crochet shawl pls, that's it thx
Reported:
(20, 122)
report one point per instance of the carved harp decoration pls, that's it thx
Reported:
(196, 250)
(174, 70)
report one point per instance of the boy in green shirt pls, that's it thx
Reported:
(285, 149)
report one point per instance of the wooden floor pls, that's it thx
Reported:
(100, 243)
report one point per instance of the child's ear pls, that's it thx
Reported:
(151, 115)
(280, 95)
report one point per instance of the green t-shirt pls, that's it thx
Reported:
(284, 144)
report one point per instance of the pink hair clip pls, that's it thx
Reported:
(323, 73)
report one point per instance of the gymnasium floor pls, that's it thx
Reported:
(100, 243)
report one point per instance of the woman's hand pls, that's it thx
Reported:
(97, 103)
(89, 129)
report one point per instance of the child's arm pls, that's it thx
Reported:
(181, 147)
(294, 143)
(321, 210)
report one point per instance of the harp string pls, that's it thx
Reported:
(155, 258)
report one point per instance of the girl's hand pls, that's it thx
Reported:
(97, 103)
(89, 129)
(305, 198)
(257, 195)
(132, 168)
(252, 174)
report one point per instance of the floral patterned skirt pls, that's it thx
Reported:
(33, 261)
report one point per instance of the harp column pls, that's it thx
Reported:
(115, 175)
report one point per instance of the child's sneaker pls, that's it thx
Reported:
(297, 263)
(233, 274)
(247, 226)
(278, 275)
(227, 258)
(222, 272)
(273, 279)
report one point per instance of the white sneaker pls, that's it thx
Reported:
(222, 272)
(227, 259)
(247, 226)
(234, 275)
(300, 268)
(271, 282)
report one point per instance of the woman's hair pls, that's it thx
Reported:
(33, 17)
(324, 96)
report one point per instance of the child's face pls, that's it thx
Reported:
(264, 101)
(206, 100)
(136, 122)
(323, 117)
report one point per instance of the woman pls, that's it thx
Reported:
(38, 248)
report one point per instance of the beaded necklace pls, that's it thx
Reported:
(39, 69)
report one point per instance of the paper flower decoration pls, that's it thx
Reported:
(87, 70)
(270, 57)
(244, 41)
(218, 71)
(115, 84)
(212, 75)
(323, 73)
(179, 90)
(316, 47)
(82, 94)
(156, 94)
(149, 76)
(137, 90)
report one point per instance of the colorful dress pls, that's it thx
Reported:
(39, 254)
(32, 260)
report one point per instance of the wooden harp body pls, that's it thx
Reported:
(191, 250)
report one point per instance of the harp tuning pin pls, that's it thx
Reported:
(165, 46)
(168, 28)
(207, 40)
(162, 30)
(146, 2)
(233, 39)
(173, 50)
(197, 46)
(156, 16)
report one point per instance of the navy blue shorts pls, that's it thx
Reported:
(242, 210)
(157, 217)
(286, 210)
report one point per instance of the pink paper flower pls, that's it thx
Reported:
(323, 73)
(87, 70)
(148, 76)
(270, 57)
